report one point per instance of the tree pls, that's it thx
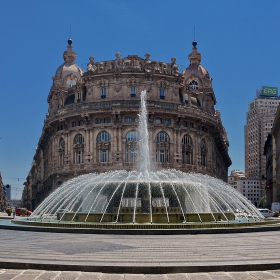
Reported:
(262, 202)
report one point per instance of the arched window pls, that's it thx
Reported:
(131, 146)
(193, 84)
(103, 146)
(162, 137)
(79, 139)
(79, 149)
(162, 147)
(70, 99)
(70, 82)
(61, 152)
(103, 136)
(186, 140)
(132, 135)
(203, 152)
(187, 149)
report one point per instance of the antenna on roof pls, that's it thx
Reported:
(70, 40)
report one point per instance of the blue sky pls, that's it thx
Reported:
(239, 42)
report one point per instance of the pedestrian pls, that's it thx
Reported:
(14, 212)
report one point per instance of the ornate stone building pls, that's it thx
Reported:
(92, 123)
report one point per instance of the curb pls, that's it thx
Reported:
(141, 231)
(140, 269)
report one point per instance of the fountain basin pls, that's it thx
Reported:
(159, 218)
(161, 197)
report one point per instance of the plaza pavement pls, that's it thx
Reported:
(49, 255)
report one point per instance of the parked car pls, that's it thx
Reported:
(266, 213)
(19, 211)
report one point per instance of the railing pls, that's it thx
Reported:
(127, 104)
(107, 105)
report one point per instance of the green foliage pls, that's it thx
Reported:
(262, 203)
(276, 214)
(9, 210)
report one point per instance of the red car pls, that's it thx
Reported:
(19, 212)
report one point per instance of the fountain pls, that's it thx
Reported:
(145, 198)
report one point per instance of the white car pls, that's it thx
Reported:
(266, 213)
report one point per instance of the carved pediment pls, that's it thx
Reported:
(132, 82)
(102, 83)
(162, 83)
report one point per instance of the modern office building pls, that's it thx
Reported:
(260, 118)
(92, 121)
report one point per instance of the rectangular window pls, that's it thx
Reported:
(97, 121)
(186, 99)
(103, 93)
(166, 121)
(161, 155)
(79, 157)
(128, 119)
(61, 159)
(187, 158)
(104, 155)
(161, 93)
(133, 91)
(133, 154)
(107, 120)
(79, 98)
(158, 121)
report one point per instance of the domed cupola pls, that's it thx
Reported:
(68, 74)
(196, 75)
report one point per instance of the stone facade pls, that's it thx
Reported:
(3, 199)
(275, 132)
(251, 189)
(92, 123)
(270, 188)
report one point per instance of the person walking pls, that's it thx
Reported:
(14, 212)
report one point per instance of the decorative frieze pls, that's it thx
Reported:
(133, 63)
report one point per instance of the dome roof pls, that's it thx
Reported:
(68, 70)
(195, 70)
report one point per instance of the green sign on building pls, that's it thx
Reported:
(270, 91)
